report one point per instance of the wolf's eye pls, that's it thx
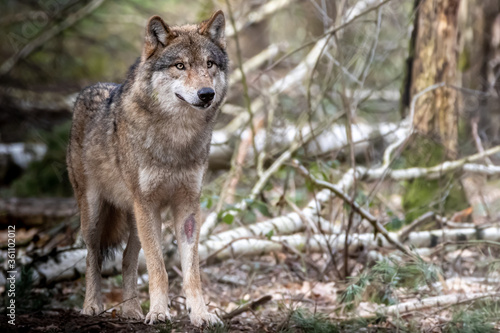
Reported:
(180, 66)
(210, 64)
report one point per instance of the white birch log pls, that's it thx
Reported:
(432, 302)
(71, 263)
(436, 171)
(230, 246)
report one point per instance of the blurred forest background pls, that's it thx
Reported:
(353, 181)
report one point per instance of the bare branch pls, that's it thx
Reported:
(355, 206)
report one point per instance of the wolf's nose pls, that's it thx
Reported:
(206, 94)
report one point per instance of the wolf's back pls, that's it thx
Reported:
(90, 108)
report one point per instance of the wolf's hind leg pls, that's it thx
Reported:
(132, 306)
(90, 210)
(187, 230)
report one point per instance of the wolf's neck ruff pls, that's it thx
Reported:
(138, 147)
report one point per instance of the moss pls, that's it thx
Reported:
(206, 8)
(145, 306)
(421, 195)
(464, 61)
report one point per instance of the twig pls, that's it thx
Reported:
(477, 139)
(248, 307)
(401, 143)
(302, 215)
(114, 306)
(246, 96)
(240, 157)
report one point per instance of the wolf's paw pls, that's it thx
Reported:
(92, 309)
(132, 310)
(204, 318)
(156, 315)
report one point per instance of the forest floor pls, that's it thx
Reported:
(283, 292)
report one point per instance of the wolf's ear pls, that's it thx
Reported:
(215, 28)
(157, 35)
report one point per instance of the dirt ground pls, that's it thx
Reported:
(270, 289)
(278, 283)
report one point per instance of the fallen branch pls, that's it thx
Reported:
(70, 264)
(282, 225)
(405, 231)
(248, 306)
(433, 302)
(36, 211)
(320, 242)
(438, 170)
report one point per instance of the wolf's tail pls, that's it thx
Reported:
(115, 229)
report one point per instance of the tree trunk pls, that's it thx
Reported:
(435, 61)
(479, 66)
(490, 72)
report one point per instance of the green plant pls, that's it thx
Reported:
(476, 321)
(218, 328)
(307, 322)
(380, 281)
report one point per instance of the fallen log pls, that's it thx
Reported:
(31, 212)
(431, 302)
(70, 264)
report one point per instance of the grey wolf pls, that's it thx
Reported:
(141, 146)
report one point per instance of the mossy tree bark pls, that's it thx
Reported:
(435, 61)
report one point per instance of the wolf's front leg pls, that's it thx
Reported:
(187, 229)
(149, 228)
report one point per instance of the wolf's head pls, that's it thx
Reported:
(187, 64)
